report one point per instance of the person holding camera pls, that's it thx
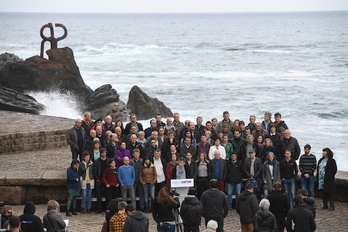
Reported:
(162, 210)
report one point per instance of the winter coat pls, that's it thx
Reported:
(330, 172)
(247, 206)
(147, 174)
(29, 221)
(234, 173)
(309, 203)
(82, 172)
(265, 221)
(164, 212)
(279, 206)
(136, 222)
(54, 222)
(214, 203)
(72, 175)
(302, 218)
(266, 175)
(71, 138)
(186, 211)
(290, 144)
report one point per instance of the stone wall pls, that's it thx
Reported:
(31, 141)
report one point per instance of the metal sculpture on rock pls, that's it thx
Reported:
(51, 39)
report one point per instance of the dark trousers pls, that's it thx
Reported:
(139, 191)
(191, 228)
(328, 197)
(202, 185)
(220, 222)
(158, 187)
(99, 189)
(111, 193)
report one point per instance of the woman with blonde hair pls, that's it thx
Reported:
(53, 220)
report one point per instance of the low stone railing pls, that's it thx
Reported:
(31, 141)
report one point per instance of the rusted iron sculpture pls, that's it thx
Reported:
(51, 39)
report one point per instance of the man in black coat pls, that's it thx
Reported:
(279, 205)
(215, 205)
(302, 218)
(29, 221)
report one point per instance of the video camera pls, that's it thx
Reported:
(173, 192)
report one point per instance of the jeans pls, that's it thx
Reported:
(86, 197)
(230, 188)
(128, 189)
(149, 189)
(308, 184)
(139, 190)
(166, 227)
(289, 186)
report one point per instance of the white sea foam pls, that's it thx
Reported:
(57, 104)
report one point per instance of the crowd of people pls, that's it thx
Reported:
(257, 163)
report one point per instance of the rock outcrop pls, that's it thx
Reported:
(106, 101)
(12, 100)
(144, 106)
(6, 58)
(60, 72)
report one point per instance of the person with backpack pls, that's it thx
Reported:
(191, 211)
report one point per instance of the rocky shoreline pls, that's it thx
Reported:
(60, 72)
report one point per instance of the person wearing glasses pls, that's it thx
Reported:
(6, 213)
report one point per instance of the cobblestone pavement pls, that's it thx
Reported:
(326, 220)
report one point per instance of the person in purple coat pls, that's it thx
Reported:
(121, 153)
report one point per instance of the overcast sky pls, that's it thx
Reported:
(151, 6)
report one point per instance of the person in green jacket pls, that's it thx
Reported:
(87, 182)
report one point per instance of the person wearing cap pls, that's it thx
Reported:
(215, 205)
(270, 173)
(307, 165)
(191, 211)
(136, 221)
(98, 122)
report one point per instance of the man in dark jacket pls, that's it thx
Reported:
(234, 177)
(288, 173)
(279, 205)
(76, 139)
(99, 167)
(289, 143)
(29, 221)
(215, 205)
(247, 206)
(308, 202)
(253, 169)
(191, 211)
(133, 122)
(136, 221)
(238, 145)
(302, 219)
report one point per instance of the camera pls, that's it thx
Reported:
(173, 192)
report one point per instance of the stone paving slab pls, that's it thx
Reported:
(14, 122)
(326, 220)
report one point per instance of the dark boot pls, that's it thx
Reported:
(88, 211)
(83, 211)
(324, 207)
(68, 214)
(74, 212)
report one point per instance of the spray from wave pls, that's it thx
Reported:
(57, 104)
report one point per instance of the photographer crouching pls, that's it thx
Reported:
(162, 210)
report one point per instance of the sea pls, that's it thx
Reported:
(201, 64)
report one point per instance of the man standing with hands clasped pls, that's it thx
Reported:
(126, 177)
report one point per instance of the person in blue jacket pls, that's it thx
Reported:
(73, 186)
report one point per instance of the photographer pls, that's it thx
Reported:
(162, 210)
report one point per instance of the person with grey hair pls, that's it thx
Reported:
(270, 173)
(212, 225)
(217, 169)
(75, 137)
(266, 121)
(264, 220)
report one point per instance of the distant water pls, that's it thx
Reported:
(294, 63)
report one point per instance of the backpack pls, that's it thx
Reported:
(193, 215)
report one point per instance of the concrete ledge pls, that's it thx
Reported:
(53, 178)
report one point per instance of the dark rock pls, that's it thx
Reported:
(144, 106)
(13, 100)
(6, 58)
(60, 72)
(106, 101)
